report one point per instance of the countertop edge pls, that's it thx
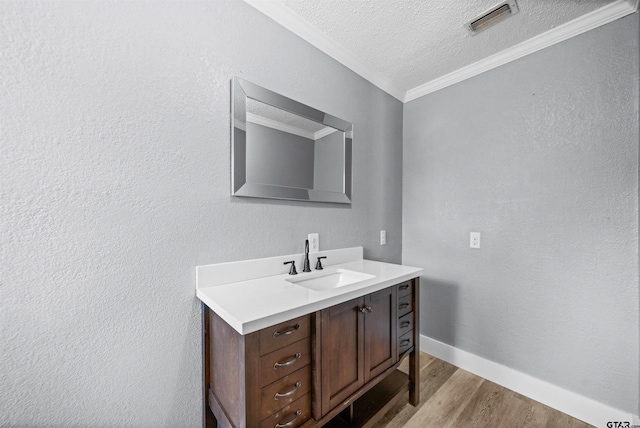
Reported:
(286, 315)
(251, 326)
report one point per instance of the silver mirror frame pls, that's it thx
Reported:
(240, 91)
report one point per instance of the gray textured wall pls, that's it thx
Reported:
(541, 157)
(115, 175)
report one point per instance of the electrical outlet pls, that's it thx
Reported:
(383, 237)
(314, 242)
(474, 240)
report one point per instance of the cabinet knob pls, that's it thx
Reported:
(366, 309)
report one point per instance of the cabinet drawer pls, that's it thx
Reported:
(405, 288)
(291, 416)
(283, 334)
(404, 305)
(284, 391)
(405, 342)
(284, 361)
(405, 324)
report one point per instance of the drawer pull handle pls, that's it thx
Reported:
(284, 333)
(405, 342)
(405, 324)
(404, 286)
(291, 422)
(404, 305)
(288, 363)
(286, 394)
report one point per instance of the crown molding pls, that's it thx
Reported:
(284, 127)
(595, 19)
(302, 28)
(323, 132)
(279, 126)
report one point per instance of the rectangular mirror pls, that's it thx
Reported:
(283, 149)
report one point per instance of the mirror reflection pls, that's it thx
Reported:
(283, 149)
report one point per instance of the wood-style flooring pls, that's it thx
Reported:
(452, 397)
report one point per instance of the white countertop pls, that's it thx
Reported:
(251, 304)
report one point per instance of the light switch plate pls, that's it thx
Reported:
(383, 237)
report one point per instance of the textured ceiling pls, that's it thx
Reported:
(412, 42)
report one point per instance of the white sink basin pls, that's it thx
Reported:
(329, 280)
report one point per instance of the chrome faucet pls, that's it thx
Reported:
(305, 266)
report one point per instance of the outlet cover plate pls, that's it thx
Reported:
(474, 240)
(314, 242)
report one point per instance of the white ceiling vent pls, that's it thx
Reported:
(492, 16)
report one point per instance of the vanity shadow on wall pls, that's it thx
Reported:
(283, 149)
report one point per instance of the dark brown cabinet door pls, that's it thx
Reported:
(359, 342)
(342, 352)
(380, 332)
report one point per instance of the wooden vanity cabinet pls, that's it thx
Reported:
(307, 371)
(262, 379)
(358, 343)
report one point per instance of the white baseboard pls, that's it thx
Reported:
(578, 406)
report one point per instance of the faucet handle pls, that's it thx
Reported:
(293, 270)
(319, 263)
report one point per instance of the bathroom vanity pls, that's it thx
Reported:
(308, 350)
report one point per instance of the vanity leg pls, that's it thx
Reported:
(208, 418)
(414, 357)
(347, 414)
(210, 421)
